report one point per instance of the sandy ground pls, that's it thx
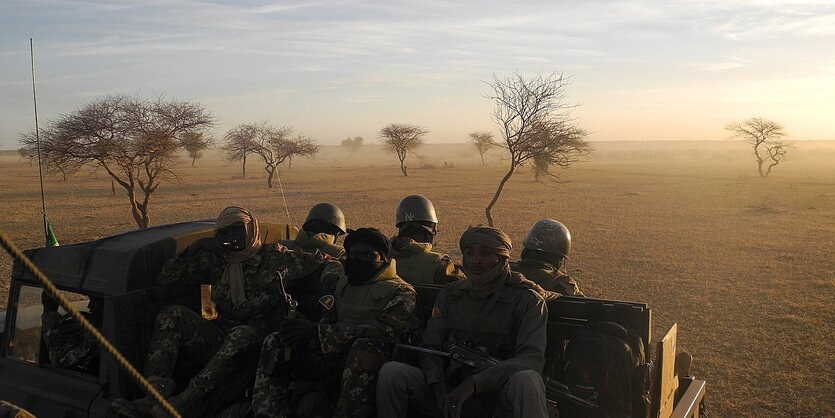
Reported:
(744, 265)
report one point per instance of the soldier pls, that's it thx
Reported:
(245, 285)
(67, 344)
(368, 309)
(495, 311)
(544, 252)
(325, 222)
(412, 247)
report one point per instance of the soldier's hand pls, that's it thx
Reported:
(297, 331)
(210, 244)
(49, 304)
(455, 399)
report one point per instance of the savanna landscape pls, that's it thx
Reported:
(743, 264)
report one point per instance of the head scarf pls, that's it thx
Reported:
(371, 237)
(492, 238)
(497, 241)
(234, 272)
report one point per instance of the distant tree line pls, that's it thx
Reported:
(137, 142)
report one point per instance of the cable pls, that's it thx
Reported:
(56, 294)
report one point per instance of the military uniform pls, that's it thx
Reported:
(509, 324)
(494, 310)
(67, 344)
(240, 327)
(547, 276)
(418, 264)
(359, 324)
(310, 243)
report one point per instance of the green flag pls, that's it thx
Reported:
(51, 239)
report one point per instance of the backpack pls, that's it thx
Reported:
(605, 364)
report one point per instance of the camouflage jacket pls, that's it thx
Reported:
(527, 324)
(418, 264)
(310, 243)
(545, 275)
(264, 307)
(67, 344)
(395, 319)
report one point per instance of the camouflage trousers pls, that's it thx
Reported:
(276, 381)
(221, 353)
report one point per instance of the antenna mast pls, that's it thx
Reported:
(38, 140)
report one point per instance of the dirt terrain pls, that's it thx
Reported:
(744, 265)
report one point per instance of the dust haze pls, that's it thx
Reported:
(743, 264)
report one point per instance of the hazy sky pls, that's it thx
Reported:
(677, 70)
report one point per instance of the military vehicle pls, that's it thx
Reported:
(121, 270)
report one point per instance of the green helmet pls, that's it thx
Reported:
(549, 236)
(415, 208)
(328, 213)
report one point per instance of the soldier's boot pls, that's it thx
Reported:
(142, 407)
(183, 403)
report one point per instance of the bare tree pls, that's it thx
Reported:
(400, 138)
(535, 123)
(765, 137)
(352, 144)
(482, 141)
(195, 143)
(557, 145)
(274, 145)
(27, 153)
(135, 141)
(240, 142)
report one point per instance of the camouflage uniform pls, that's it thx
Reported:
(494, 310)
(418, 264)
(351, 343)
(67, 344)
(227, 344)
(547, 276)
(510, 324)
(310, 243)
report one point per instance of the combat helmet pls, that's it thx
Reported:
(328, 213)
(415, 208)
(549, 236)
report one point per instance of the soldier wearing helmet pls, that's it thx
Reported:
(544, 252)
(325, 222)
(412, 247)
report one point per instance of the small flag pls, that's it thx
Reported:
(51, 239)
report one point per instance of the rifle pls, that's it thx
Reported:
(480, 361)
(292, 306)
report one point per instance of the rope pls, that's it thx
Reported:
(56, 294)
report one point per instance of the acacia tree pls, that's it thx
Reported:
(274, 145)
(482, 141)
(27, 153)
(765, 138)
(352, 144)
(195, 143)
(535, 123)
(135, 141)
(400, 138)
(556, 145)
(240, 142)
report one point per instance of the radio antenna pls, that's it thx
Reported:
(38, 140)
(280, 186)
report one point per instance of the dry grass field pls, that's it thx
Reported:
(744, 265)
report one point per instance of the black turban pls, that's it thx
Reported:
(369, 236)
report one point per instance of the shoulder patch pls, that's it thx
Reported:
(327, 302)
(436, 312)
